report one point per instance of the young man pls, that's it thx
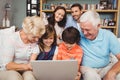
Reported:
(76, 11)
(97, 44)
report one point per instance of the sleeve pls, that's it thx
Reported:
(56, 50)
(55, 53)
(68, 23)
(58, 54)
(114, 44)
(36, 50)
(79, 56)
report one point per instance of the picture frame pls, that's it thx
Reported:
(104, 4)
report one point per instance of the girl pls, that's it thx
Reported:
(47, 44)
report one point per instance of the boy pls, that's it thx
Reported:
(69, 48)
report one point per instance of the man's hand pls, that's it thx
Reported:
(78, 76)
(110, 76)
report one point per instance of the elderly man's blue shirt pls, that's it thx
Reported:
(97, 52)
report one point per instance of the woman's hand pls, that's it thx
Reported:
(27, 66)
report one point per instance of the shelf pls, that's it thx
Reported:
(32, 7)
(47, 10)
(85, 10)
(107, 14)
(108, 27)
(105, 10)
(52, 10)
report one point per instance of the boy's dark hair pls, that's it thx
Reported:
(71, 35)
(77, 5)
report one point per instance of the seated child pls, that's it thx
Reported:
(69, 48)
(47, 44)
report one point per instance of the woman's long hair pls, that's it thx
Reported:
(51, 19)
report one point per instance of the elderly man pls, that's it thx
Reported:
(97, 44)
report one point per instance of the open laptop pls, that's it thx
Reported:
(55, 69)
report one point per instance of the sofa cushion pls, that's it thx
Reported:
(8, 30)
(5, 44)
(4, 33)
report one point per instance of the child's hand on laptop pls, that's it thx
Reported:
(78, 76)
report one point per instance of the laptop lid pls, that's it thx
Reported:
(55, 69)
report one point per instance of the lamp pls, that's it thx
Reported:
(7, 6)
(6, 21)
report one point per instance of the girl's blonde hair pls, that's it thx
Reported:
(34, 25)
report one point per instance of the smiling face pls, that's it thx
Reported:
(76, 13)
(48, 41)
(33, 39)
(59, 14)
(89, 31)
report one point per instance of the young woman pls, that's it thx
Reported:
(58, 20)
(47, 44)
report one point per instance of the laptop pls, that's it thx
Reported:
(55, 69)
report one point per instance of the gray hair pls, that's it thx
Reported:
(91, 16)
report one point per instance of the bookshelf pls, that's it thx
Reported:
(32, 7)
(109, 11)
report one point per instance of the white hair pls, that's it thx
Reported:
(34, 25)
(91, 16)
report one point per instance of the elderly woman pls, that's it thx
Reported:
(22, 49)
